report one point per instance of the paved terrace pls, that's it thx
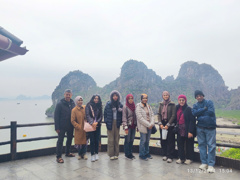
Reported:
(46, 167)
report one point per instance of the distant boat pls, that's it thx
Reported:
(35, 104)
(18, 103)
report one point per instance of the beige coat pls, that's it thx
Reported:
(142, 122)
(77, 119)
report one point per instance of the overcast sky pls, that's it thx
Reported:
(97, 37)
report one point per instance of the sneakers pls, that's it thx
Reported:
(164, 158)
(169, 160)
(96, 157)
(143, 158)
(112, 158)
(188, 161)
(85, 157)
(93, 158)
(79, 157)
(211, 169)
(115, 157)
(203, 167)
(179, 161)
(149, 156)
(132, 156)
(129, 157)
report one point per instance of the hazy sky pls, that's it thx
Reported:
(97, 37)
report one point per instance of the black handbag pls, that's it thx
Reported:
(175, 129)
(154, 130)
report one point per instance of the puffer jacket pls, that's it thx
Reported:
(142, 122)
(62, 115)
(108, 112)
(171, 114)
(205, 113)
(127, 117)
(108, 115)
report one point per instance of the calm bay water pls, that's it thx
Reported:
(26, 112)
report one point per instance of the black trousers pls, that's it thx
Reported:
(189, 147)
(168, 145)
(60, 141)
(94, 140)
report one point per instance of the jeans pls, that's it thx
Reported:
(128, 143)
(144, 144)
(60, 141)
(207, 145)
(189, 147)
(94, 140)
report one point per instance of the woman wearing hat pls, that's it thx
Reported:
(186, 131)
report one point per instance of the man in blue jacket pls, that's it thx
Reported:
(204, 112)
(62, 119)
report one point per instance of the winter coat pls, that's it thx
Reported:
(189, 120)
(62, 115)
(89, 115)
(205, 113)
(171, 114)
(108, 115)
(127, 117)
(142, 122)
(77, 119)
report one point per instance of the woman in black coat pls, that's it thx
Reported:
(186, 131)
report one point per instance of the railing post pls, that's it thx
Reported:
(13, 140)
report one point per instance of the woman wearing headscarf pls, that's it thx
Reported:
(186, 130)
(94, 117)
(113, 120)
(77, 120)
(145, 122)
(166, 120)
(129, 125)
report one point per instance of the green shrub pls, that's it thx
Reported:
(233, 153)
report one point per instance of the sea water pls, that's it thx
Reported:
(26, 112)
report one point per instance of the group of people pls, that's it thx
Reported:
(173, 119)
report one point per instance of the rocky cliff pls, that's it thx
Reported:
(136, 78)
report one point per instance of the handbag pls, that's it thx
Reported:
(88, 127)
(153, 130)
(175, 129)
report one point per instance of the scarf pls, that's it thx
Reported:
(131, 106)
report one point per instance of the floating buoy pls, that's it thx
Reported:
(24, 135)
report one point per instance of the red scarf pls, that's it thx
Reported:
(131, 106)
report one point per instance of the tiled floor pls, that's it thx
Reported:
(46, 167)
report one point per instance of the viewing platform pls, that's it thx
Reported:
(46, 167)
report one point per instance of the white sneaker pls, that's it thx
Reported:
(115, 157)
(169, 160)
(85, 157)
(96, 157)
(112, 158)
(211, 169)
(179, 161)
(79, 157)
(164, 158)
(203, 167)
(93, 158)
(188, 161)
